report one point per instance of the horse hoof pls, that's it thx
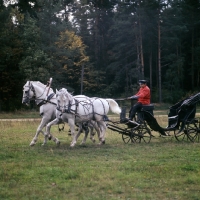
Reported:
(32, 144)
(58, 143)
(72, 145)
(102, 142)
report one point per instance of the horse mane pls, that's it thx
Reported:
(64, 92)
(41, 85)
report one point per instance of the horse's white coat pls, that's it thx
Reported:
(35, 90)
(82, 109)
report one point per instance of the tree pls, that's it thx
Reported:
(173, 32)
(71, 57)
(10, 54)
(190, 8)
(35, 63)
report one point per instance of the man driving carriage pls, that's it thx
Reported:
(143, 98)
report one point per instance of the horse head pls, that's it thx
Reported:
(35, 90)
(62, 100)
(28, 93)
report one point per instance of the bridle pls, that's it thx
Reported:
(74, 102)
(34, 97)
(66, 107)
(27, 98)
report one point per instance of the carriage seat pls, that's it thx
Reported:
(149, 108)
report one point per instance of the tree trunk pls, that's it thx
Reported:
(82, 74)
(159, 63)
(192, 64)
(141, 49)
(140, 45)
(150, 69)
(138, 56)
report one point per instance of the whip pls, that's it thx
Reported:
(49, 84)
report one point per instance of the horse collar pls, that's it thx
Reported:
(47, 101)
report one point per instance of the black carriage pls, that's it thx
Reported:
(182, 123)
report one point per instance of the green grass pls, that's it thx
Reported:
(20, 114)
(162, 169)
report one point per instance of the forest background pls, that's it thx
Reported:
(100, 47)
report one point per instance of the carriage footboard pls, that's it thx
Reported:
(118, 129)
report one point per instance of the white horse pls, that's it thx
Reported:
(76, 111)
(45, 98)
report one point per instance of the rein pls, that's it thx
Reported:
(69, 110)
(48, 100)
(44, 101)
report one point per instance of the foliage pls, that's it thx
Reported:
(35, 63)
(115, 42)
(10, 55)
(71, 57)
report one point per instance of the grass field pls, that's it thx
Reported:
(162, 169)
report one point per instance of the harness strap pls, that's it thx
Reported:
(105, 118)
(69, 110)
(75, 111)
(76, 104)
(47, 101)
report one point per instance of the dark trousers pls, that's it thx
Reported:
(136, 107)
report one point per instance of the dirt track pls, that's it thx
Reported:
(21, 120)
(39, 119)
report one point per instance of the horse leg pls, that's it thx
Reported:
(48, 134)
(74, 135)
(85, 127)
(85, 137)
(92, 133)
(39, 129)
(93, 125)
(103, 127)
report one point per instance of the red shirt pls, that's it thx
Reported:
(144, 95)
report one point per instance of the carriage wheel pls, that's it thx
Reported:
(136, 135)
(142, 133)
(182, 136)
(146, 135)
(127, 138)
(193, 132)
(137, 139)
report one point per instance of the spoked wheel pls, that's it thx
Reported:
(182, 136)
(136, 135)
(127, 138)
(193, 131)
(146, 135)
(142, 134)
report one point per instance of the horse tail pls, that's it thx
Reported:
(113, 105)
